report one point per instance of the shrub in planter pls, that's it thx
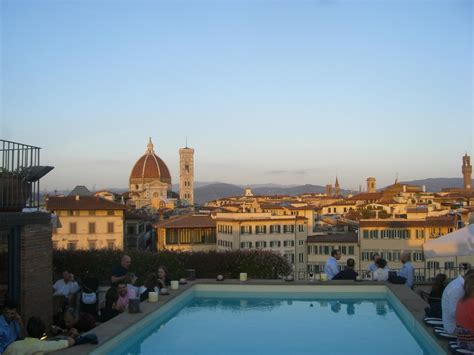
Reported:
(256, 263)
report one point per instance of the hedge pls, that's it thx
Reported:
(258, 264)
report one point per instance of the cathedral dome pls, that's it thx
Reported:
(150, 167)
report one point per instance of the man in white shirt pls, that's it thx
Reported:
(65, 286)
(331, 268)
(449, 301)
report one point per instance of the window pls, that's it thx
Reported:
(449, 265)
(186, 168)
(110, 213)
(300, 242)
(343, 249)
(92, 245)
(110, 227)
(111, 244)
(91, 227)
(275, 244)
(262, 244)
(326, 250)
(275, 228)
(301, 228)
(289, 243)
(418, 256)
(71, 246)
(301, 257)
(365, 233)
(261, 229)
(432, 264)
(73, 228)
(244, 245)
(70, 213)
(350, 250)
(91, 213)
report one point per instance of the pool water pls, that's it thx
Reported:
(214, 323)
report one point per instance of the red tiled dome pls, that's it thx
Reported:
(150, 166)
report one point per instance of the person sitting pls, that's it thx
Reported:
(110, 310)
(407, 271)
(121, 272)
(150, 285)
(11, 326)
(381, 274)
(64, 291)
(373, 266)
(465, 315)
(33, 344)
(434, 297)
(348, 273)
(449, 301)
(124, 296)
(331, 268)
(164, 279)
(89, 300)
(76, 325)
(66, 286)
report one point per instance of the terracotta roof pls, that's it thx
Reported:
(366, 196)
(333, 238)
(423, 209)
(55, 203)
(342, 203)
(442, 221)
(188, 221)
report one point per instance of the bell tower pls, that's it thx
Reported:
(186, 174)
(371, 184)
(467, 171)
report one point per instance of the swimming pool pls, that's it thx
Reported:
(235, 319)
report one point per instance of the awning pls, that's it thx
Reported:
(458, 243)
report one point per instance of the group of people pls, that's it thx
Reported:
(123, 288)
(378, 269)
(454, 304)
(79, 310)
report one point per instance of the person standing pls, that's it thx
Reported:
(407, 271)
(465, 315)
(11, 326)
(121, 272)
(331, 268)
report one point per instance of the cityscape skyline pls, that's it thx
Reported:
(267, 92)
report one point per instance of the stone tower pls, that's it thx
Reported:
(337, 187)
(371, 184)
(186, 174)
(467, 171)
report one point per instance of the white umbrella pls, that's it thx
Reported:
(458, 243)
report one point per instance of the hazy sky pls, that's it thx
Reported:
(267, 91)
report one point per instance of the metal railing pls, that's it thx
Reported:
(20, 172)
(422, 275)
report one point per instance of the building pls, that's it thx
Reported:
(26, 253)
(138, 230)
(467, 171)
(320, 247)
(186, 175)
(392, 236)
(192, 232)
(371, 185)
(150, 181)
(282, 234)
(87, 223)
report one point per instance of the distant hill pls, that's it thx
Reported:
(437, 184)
(215, 191)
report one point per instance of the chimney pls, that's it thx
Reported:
(77, 197)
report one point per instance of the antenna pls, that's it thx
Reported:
(186, 141)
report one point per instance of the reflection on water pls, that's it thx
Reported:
(210, 325)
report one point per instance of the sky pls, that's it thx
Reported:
(286, 92)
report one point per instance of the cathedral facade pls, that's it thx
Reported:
(150, 181)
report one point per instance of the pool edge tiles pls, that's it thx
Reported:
(175, 303)
(413, 325)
